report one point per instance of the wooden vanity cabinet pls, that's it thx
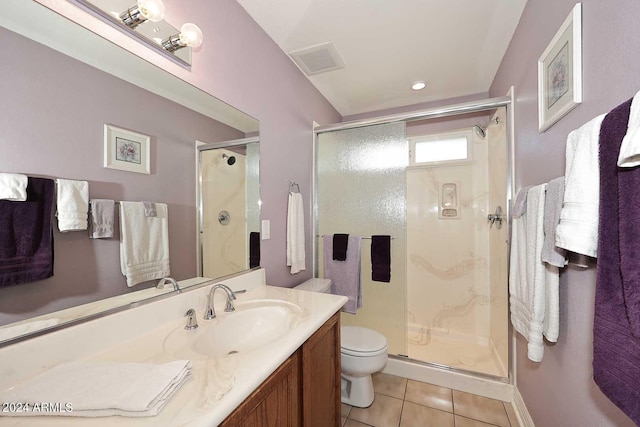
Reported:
(303, 391)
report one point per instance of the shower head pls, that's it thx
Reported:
(481, 130)
(230, 160)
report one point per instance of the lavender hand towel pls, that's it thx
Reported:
(102, 217)
(26, 235)
(616, 351)
(551, 254)
(344, 275)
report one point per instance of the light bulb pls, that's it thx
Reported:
(191, 35)
(153, 10)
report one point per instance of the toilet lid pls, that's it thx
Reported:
(355, 341)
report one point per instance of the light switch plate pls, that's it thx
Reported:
(266, 229)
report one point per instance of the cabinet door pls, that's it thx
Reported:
(321, 376)
(275, 403)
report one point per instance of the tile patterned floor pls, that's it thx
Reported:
(406, 403)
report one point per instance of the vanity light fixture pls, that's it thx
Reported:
(419, 85)
(190, 35)
(144, 21)
(152, 10)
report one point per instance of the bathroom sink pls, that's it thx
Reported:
(252, 325)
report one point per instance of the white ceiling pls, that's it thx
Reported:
(455, 46)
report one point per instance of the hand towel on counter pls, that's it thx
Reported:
(340, 245)
(630, 149)
(72, 205)
(616, 351)
(578, 228)
(381, 258)
(102, 218)
(13, 187)
(103, 389)
(533, 285)
(144, 243)
(26, 235)
(551, 254)
(344, 275)
(295, 233)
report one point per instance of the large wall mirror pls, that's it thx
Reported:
(61, 84)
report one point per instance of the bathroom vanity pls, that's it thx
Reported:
(292, 379)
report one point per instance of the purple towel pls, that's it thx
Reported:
(616, 351)
(26, 235)
(381, 258)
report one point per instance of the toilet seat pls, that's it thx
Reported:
(361, 342)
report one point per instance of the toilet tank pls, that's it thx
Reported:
(316, 285)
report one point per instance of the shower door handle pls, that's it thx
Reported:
(496, 218)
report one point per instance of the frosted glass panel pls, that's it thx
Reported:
(361, 191)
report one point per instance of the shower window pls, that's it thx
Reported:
(444, 148)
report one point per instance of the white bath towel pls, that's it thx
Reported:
(578, 228)
(86, 389)
(344, 275)
(630, 149)
(13, 186)
(532, 283)
(144, 243)
(72, 205)
(295, 233)
(102, 217)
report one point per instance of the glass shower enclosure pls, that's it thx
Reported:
(447, 301)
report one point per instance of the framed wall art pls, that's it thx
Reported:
(126, 150)
(560, 72)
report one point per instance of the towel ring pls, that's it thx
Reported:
(293, 184)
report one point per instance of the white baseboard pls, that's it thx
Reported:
(524, 418)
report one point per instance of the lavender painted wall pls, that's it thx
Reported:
(560, 390)
(52, 114)
(241, 65)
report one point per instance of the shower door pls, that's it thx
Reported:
(360, 190)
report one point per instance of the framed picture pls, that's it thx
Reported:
(560, 72)
(126, 150)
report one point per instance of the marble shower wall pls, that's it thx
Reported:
(448, 267)
(224, 247)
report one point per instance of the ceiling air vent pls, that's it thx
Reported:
(317, 59)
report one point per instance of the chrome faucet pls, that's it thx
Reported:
(192, 322)
(210, 312)
(166, 280)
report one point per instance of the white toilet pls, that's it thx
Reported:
(363, 352)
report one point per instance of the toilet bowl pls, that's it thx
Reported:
(363, 352)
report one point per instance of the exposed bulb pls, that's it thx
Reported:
(153, 10)
(191, 35)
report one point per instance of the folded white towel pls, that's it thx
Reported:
(102, 216)
(13, 187)
(630, 148)
(86, 389)
(533, 285)
(578, 228)
(144, 243)
(72, 204)
(295, 233)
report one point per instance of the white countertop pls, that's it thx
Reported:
(218, 385)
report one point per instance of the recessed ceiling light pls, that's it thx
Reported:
(419, 85)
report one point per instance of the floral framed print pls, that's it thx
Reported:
(126, 150)
(560, 72)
